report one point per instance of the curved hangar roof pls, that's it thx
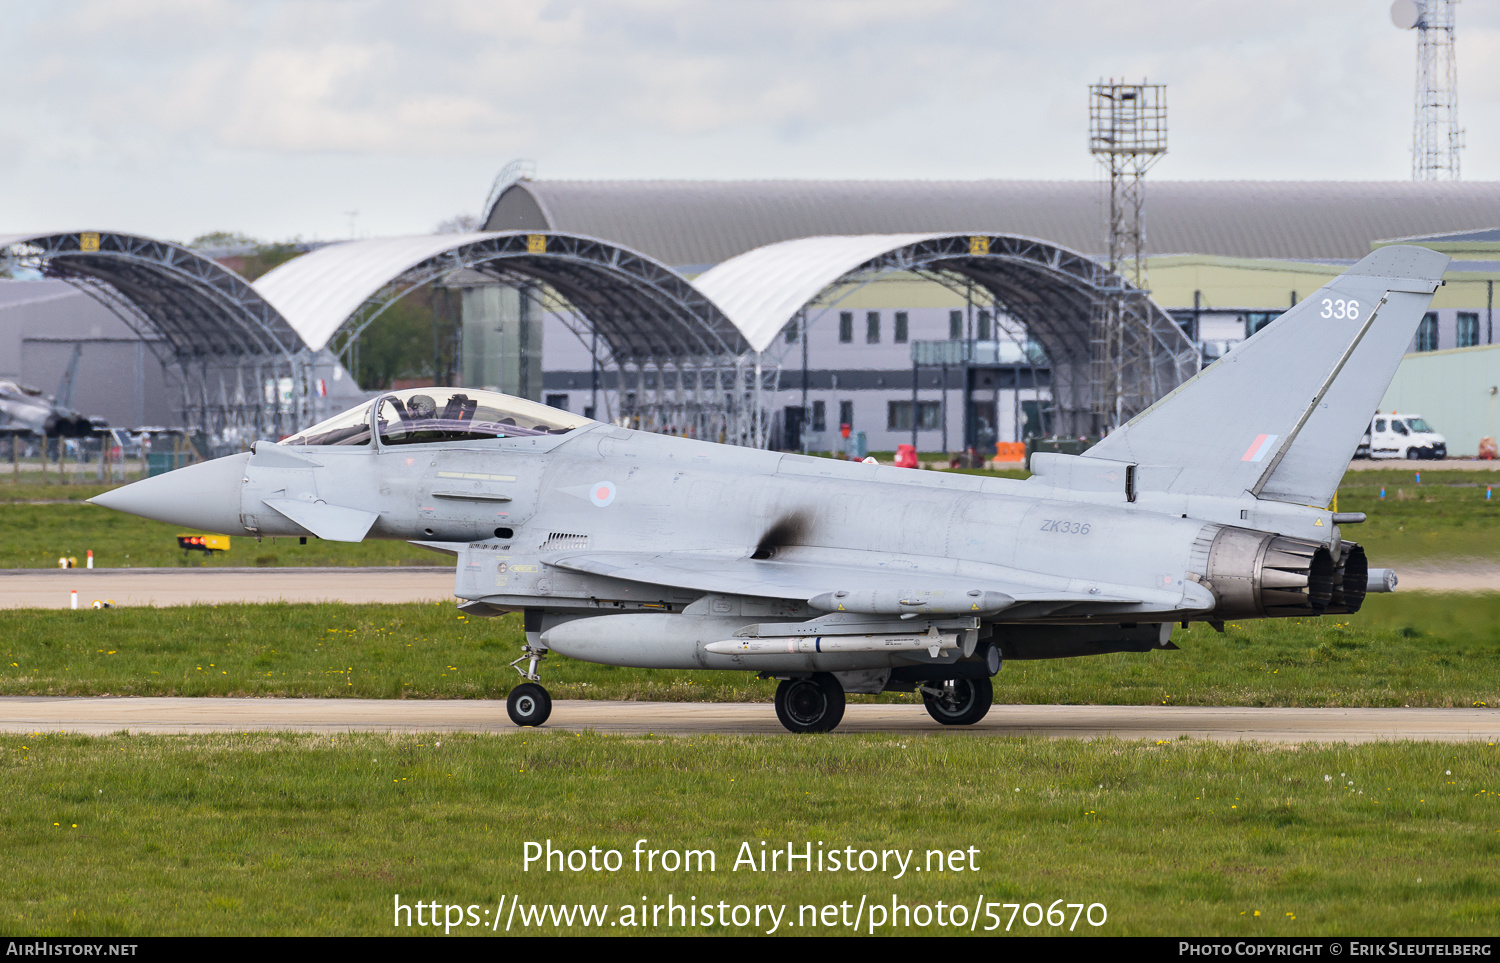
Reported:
(691, 223)
(200, 308)
(640, 307)
(1049, 288)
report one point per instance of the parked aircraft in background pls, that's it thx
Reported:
(635, 549)
(26, 410)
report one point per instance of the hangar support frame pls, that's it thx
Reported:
(1054, 294)
(229, 352)
(670, 361)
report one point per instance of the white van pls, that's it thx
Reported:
(1401, 436)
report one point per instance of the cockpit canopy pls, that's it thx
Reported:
(427, 415)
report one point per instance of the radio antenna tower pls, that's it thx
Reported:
(1127, 134)
(1436, 136)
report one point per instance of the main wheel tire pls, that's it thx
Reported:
(528, 704)
(971, 702)
(814, 704)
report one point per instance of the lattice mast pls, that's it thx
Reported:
(1436, 137)
(1127, 134)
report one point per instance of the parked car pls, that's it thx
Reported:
(1401, 436)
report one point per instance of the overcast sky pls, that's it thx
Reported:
(176, 117)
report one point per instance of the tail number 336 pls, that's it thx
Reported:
(1340, 309)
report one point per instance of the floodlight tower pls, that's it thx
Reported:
(1127, 134)
(1436, 136)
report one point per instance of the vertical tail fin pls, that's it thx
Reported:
(1281, 415)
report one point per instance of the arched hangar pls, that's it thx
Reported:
(673, 357)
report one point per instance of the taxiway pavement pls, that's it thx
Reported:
(101, 715)
(50, 588)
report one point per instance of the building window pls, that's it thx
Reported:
(846, 327)
(955, 325)
(1427, 332)
(872, 327)
(984, 325)
(819, 416)
(846, 413)
(790, 331)
(898, 415)
(1468, 329)
(558, 401)
(1256, 320)
(900, 336)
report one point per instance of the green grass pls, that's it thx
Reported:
(1417, 650)
(1445, 519)
(35, 536)
(32, 491)
(315, 834)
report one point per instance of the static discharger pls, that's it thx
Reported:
(933, 641)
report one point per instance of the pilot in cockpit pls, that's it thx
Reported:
(420, 408)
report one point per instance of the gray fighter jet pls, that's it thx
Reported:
(25, 410)
(636, 549)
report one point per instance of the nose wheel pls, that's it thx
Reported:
(958, 702)
(528, 704)
(814, 704)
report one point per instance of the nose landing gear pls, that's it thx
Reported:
(528, 703)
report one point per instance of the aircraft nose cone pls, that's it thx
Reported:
(205, 496)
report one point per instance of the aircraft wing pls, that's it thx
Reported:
(855, 585)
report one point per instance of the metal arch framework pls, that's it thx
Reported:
(1053, 292)
(678, 363)
(205, 324)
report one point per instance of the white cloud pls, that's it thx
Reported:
(124, 106)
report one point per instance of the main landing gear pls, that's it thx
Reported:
(812, 704)
(815, 703)
(958, 702)
(528, 703)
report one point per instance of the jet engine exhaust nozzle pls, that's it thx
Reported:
(1259, 575)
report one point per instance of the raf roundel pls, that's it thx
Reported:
(602, 493)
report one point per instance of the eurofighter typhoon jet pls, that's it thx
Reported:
(634, 549)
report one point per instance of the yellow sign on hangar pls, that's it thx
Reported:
(536, 244)
(88, 241)
(979, 245)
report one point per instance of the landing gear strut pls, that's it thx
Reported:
(958, 702)
(528, 703)
(814, 704)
